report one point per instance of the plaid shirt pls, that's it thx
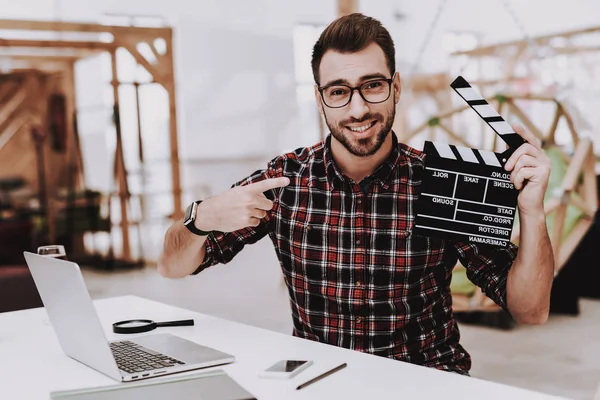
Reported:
(357, 277)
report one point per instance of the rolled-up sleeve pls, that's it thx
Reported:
(209, 259)
(222, 247)
(487, 267)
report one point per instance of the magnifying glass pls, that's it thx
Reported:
(145, 325)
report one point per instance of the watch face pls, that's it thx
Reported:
(188, 213)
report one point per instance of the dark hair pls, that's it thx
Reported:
(352, 33)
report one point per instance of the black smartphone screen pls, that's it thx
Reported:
(286, 365)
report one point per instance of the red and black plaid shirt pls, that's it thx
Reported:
(357, 277)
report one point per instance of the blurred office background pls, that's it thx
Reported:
(208, 91)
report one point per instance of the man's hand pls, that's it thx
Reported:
(529, 163)
(238, 207)
(529, 281)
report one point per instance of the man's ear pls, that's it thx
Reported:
(397, 83)
(319, 100)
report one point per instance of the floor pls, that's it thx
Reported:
(560, 357)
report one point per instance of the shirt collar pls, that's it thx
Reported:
(382, 175)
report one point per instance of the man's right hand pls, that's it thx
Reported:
(238, 207)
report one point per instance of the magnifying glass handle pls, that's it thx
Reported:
(183, 322)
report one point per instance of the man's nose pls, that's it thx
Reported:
(358, 107)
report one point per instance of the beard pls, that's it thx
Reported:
(363, 147)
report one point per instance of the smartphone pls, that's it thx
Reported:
(285, 369)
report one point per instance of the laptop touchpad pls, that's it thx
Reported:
(182, 349)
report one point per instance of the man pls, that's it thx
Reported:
(340, 215)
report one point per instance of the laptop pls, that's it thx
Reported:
(81, 336)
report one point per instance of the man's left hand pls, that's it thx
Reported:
(530, 172)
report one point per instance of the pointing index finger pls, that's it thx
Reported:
(268, 184)
(528, 136)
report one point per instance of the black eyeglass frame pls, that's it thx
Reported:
(352, 89)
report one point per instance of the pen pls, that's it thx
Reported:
(323, 375)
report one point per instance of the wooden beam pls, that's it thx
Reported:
(425, 124)
(64, 44)
(51, 161)
(169, 85)
(47, 68)
(557, 228)
(551, 205)
(570, 243)
(13, 104)
(154, 70)
(452, 112)
(25, 25)
(120, 163)
(525, 120)
(575, 49)
(571, 125)
(589, 187)
(491, 49)
(529, 96)
(14, 125)
(489, 82)
(157, 55)
(552, 132)
(487, 51)
(43, 57)
(6, 86)
(72, 159)
(579, 203)
(442, 99)
(346, 7)
(575, 168)
(429, 82)
(73, 152)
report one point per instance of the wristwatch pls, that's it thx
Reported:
(190, 217)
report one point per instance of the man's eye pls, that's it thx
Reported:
(337, 91)
(374, 85)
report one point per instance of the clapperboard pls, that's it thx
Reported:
(466, 193)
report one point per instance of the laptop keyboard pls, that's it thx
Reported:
(132, 357)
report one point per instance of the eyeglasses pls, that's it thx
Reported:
(373, 91)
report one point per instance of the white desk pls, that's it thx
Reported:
(33, 364)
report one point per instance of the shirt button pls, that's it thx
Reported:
(358, 320)
(308, 228)
(358, 284)
(359, 201)
(358, 242)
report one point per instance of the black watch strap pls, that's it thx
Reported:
(190, 218)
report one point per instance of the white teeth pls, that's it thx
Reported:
(361, 128)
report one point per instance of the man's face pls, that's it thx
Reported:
(361, 127)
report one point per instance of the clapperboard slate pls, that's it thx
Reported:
(466, 193)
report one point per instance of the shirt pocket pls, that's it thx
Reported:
(314, 250)
(316, 236)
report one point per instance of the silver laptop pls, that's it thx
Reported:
(81, 336)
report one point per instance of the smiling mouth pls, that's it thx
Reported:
(362, 128)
